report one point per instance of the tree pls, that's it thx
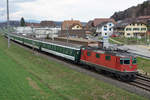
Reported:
(22, 22)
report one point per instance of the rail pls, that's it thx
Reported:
(142, 82)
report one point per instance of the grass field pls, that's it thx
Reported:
(143, 64)
(25, 76)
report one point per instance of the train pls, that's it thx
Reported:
(122, 65)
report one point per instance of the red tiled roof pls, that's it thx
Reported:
(98, 21)
(69, 23)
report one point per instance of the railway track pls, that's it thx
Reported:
(142, 82)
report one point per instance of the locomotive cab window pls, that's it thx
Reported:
(125, 61)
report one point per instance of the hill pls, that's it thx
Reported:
(133, 12)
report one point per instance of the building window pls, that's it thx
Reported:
(109, 24)
(105, 28)
(109, 29)
(108, 58)
(143, 29)
(88, 53)
(128, 33)
(135, 29)
(105, 33)
(128, 29)
(97, 55)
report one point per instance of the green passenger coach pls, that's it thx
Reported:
(65, 50)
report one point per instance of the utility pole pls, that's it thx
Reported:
(32, 38)
(67, 33)
(8, 23)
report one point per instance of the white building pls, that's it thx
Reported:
(23, 30)
(105, 29)
(46, 32)
(38, 32)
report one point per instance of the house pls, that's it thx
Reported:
(105, 28)
(89, 25)
(135, 29)
(119, 27)
(131, 28)
(71, 25)
(72, 28)
(47, 24)
(102, 26)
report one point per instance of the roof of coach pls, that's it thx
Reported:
(70, 45)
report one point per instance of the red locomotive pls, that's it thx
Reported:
(120, 64)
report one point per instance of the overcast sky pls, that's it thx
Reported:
(60, 10)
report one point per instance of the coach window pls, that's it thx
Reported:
(97, 55)
(108, 58)
(61, 49)
(55, 48)
(88, 53)
(51, 46)
(69, 51)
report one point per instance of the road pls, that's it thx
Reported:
(138, 49)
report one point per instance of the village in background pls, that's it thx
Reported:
(126, 27)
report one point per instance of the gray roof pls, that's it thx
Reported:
(103, 23)
(124, 23)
